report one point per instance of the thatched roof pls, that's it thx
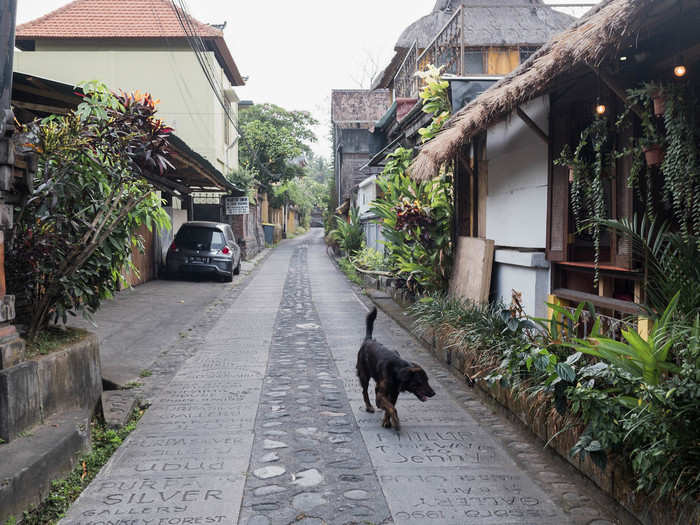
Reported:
(600, 33)
(489, 22)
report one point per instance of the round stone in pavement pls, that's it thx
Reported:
(308, 500)
(259, 520)
(356, 494)
(268, 489)
(269, 472)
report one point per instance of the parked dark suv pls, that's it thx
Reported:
(204, 248)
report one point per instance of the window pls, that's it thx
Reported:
(200, 238)
(526, 51)
(474, 61)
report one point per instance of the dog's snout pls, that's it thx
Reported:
(430, 393)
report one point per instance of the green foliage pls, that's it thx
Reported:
(348, 234)
(244, 179)
(590, 163)
(370, 259)
(639, 399)
(436, 101)
(350, 271)
(641, 360)
(73, 234)
(416, 224)
(272, 138)
(678, 133)
(65, 491)
(52, 339)
(330, 204)
(304, 193)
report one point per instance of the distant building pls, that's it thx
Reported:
(353, 114)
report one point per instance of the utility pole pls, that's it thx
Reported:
(10, 344)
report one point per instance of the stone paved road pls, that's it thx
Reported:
(265, 425)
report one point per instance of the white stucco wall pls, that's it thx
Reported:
(516, 207)
(366, 193)
(171, 74)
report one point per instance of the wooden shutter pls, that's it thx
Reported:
(558, 187)
(502, 60)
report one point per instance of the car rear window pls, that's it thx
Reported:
(200, 238)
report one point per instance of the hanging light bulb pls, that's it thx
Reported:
(600, 108)
(680, 70)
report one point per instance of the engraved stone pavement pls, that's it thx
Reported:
(265, 425)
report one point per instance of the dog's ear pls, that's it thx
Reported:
(406, 373)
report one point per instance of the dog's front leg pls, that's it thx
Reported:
(391, 418)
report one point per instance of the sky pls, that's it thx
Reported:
(295, 53)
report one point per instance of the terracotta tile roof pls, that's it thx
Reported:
(125, 19)
(112, 19)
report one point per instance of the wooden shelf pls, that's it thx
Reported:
(591, 266)
(608, 303)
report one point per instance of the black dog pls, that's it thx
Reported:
(391, 375)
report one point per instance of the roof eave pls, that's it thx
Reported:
(227, 63)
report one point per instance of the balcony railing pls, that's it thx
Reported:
(406, 81)
(446, 49)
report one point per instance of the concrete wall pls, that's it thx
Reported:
(516, 206)
(171, 74)
(34, 390)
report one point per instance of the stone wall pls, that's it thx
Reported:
(248, 231)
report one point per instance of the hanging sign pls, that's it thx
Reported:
(236, 205)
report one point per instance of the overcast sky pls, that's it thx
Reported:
(294, 53)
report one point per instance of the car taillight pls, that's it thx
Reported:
(173, 248)
(225, 250)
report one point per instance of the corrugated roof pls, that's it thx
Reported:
(125, 19)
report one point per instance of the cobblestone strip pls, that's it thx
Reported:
(309, 463)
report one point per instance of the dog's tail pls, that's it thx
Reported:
(370, 322)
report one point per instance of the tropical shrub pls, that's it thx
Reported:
(637, 398)
(416, 217)
(348, 234)
(74, 232)
(370, 259)
(416, 220)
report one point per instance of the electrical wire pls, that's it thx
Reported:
(199, 49)
(180, 80)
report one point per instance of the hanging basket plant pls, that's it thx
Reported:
(669, 148)
(654, 155)
(588, 166)
(659, 101)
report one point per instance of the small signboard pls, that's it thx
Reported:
(236, 205)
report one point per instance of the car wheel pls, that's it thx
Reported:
(237, 269)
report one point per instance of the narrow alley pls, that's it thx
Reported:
(265, 424)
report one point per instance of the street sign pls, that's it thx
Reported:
(236, 205)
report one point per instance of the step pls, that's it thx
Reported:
(44, 453)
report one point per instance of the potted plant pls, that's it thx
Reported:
(658, 98)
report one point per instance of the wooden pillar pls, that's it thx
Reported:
(482, 171)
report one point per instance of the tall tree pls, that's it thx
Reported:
(274, 141)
